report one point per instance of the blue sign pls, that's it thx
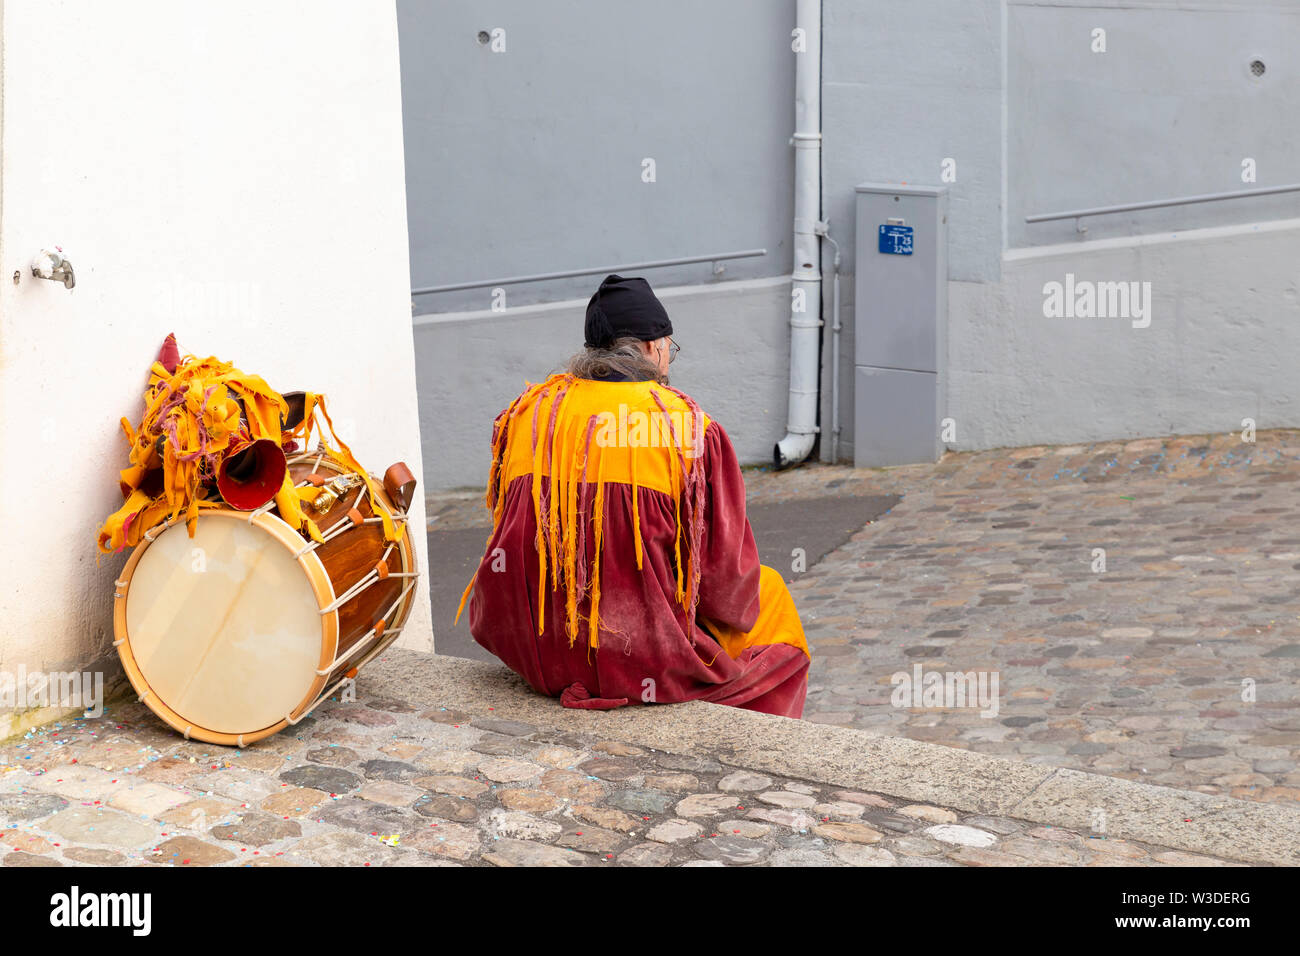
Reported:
(896, 240)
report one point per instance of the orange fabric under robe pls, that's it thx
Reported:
(621, 566)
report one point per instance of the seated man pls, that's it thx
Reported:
(619, 522)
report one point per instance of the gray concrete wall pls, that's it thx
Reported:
(1036, 122)
(1170, 109)
(1222, 344)
(904, 87)
(735, 340)
(530, 160)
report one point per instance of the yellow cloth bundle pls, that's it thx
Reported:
(194, 414)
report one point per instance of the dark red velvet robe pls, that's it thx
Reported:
(649, 650)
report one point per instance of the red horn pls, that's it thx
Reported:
(169, 355)
(251, 474)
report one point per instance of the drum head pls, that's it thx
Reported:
(225, 627)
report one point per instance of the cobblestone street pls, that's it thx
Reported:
(989, 563)
(377, 783)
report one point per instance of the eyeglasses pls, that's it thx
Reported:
(673, 349)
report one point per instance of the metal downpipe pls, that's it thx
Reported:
(805, 297)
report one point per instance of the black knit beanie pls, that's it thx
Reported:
(622, 307)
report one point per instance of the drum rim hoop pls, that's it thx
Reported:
(321, 585)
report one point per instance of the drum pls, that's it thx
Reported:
(242, 630)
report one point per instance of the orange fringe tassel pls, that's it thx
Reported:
(561, 454)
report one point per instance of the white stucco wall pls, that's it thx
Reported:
(231, 172)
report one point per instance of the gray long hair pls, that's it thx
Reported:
(623, 357)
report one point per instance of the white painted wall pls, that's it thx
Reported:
(232, 172)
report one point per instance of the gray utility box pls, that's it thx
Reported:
(900, 324)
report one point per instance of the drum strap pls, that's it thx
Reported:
(400, 484)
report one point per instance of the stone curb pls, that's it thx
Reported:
(861, 760)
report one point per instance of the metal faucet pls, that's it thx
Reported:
(52, 265)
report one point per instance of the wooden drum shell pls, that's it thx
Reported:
(351, 556)
(330, 570)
